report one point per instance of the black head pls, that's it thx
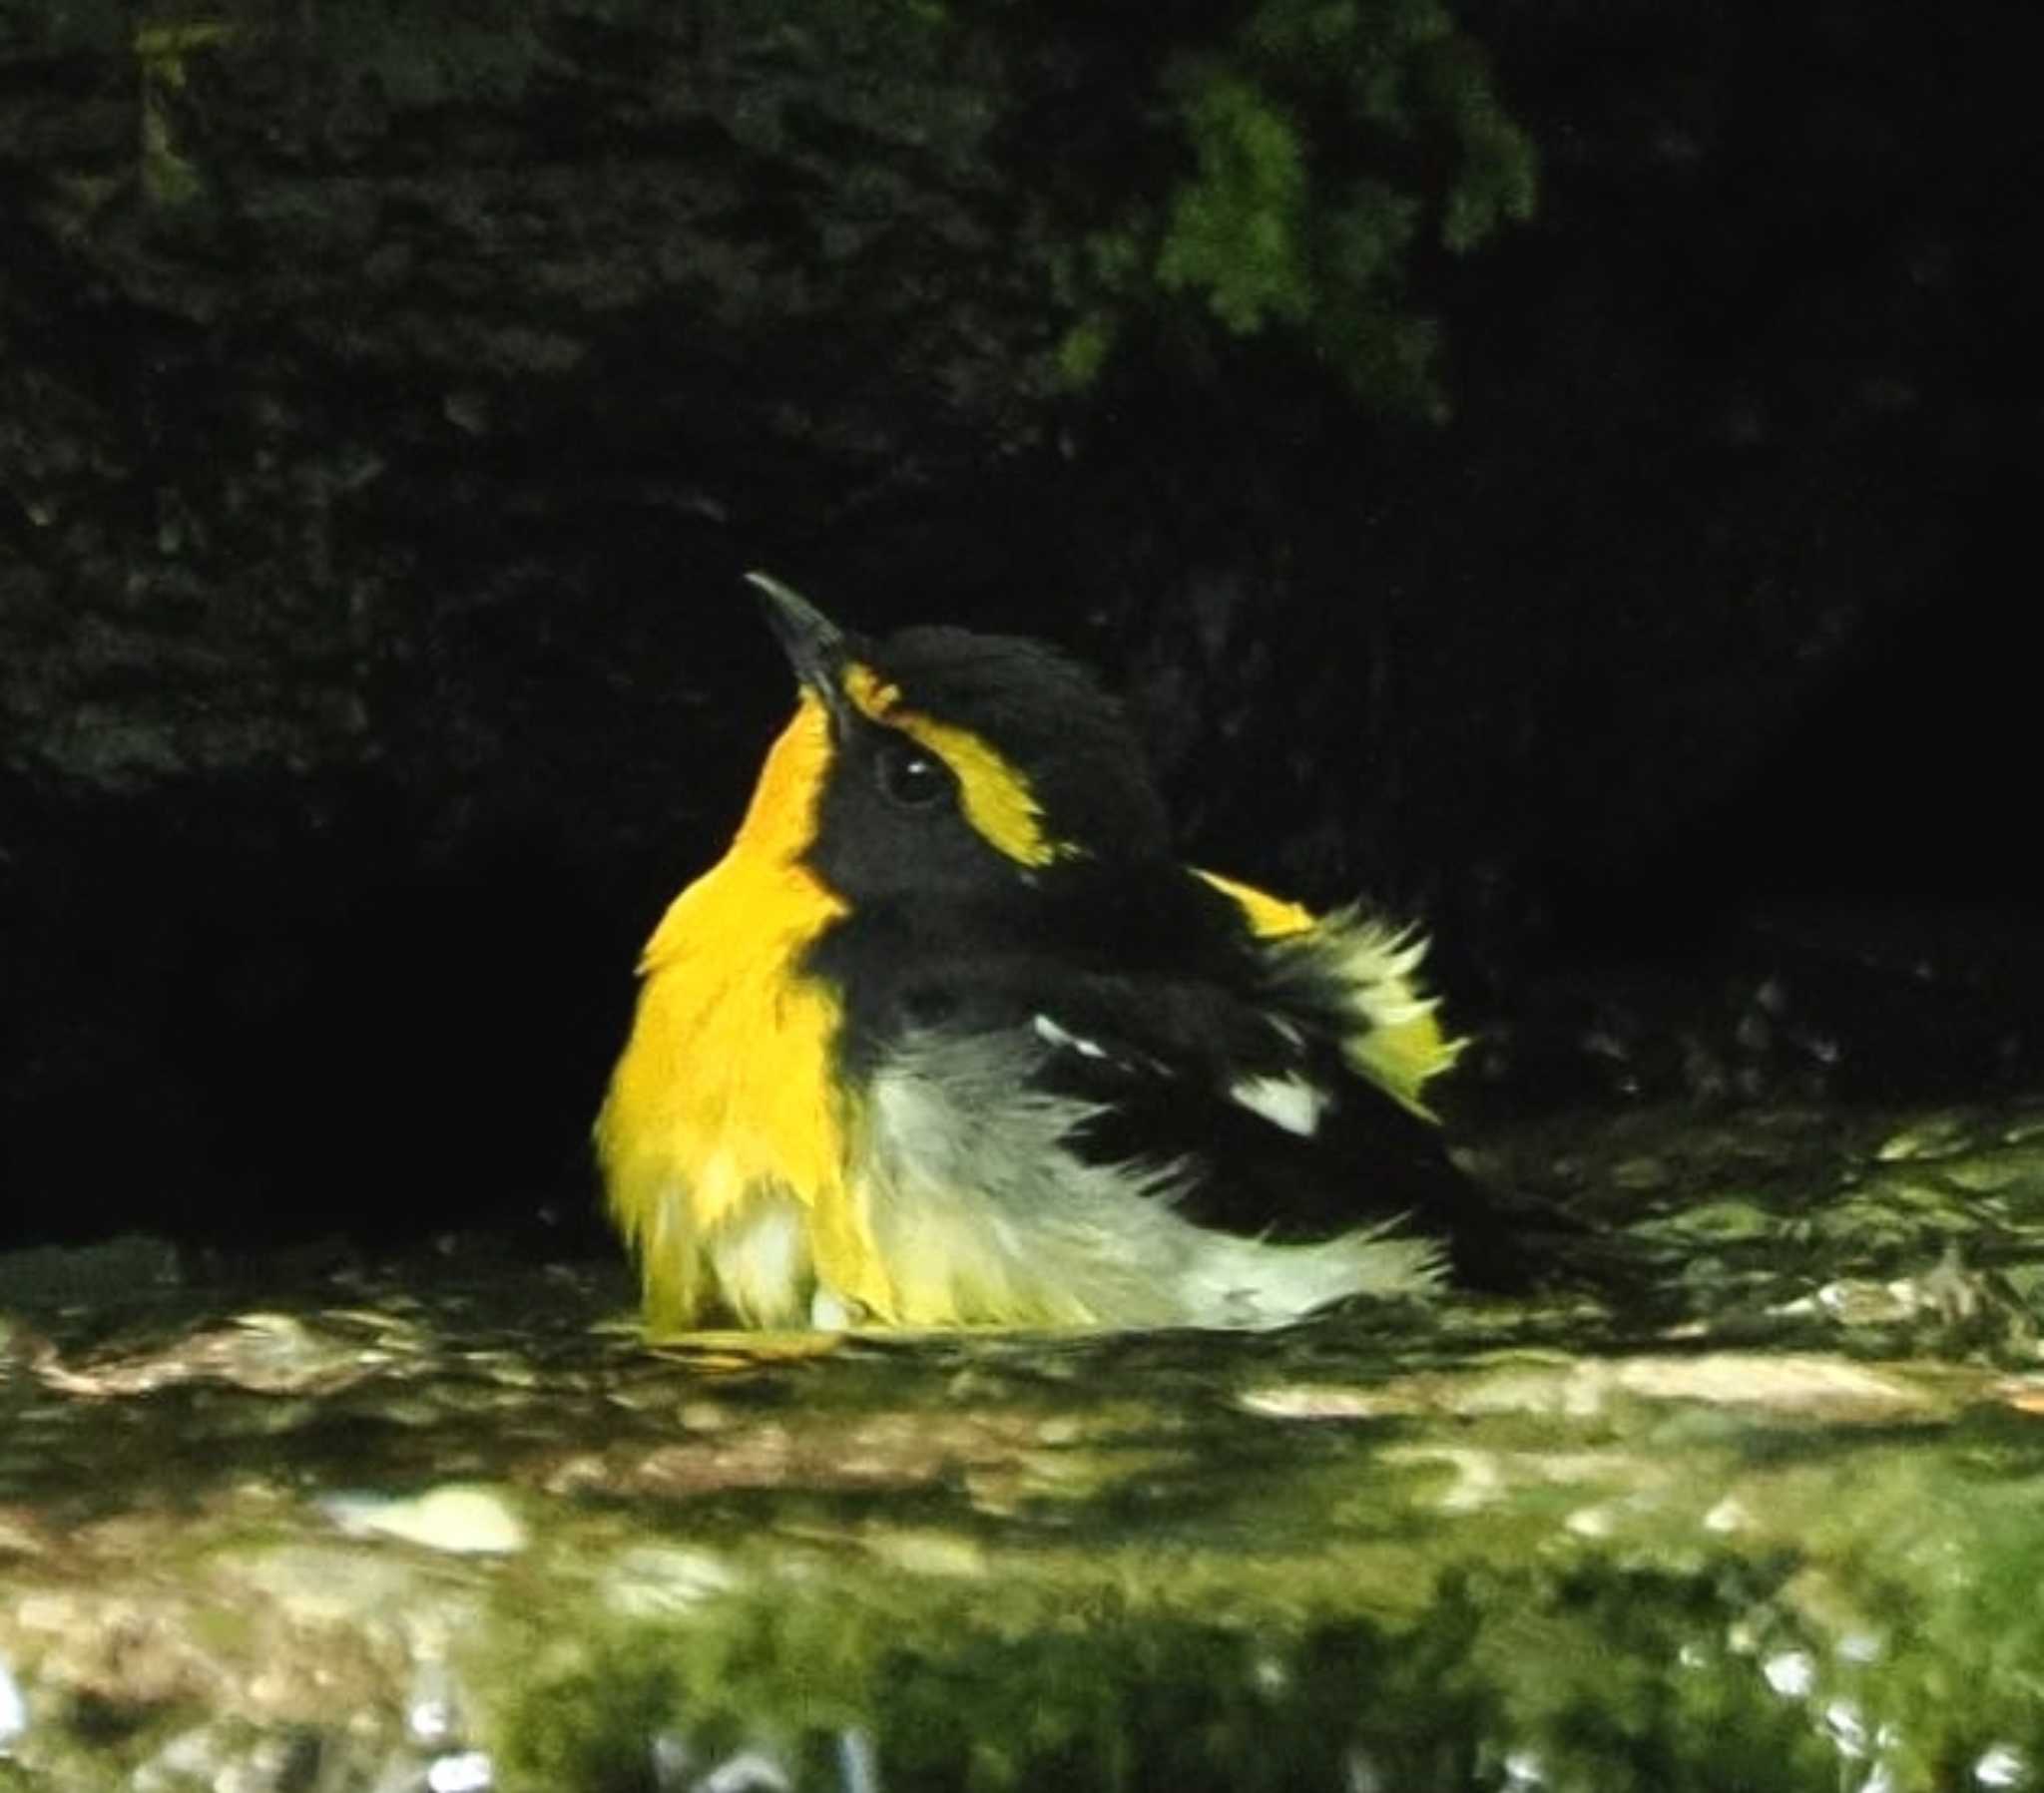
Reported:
(964, 762)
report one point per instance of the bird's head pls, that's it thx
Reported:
(939, 759)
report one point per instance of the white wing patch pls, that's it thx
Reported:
(1061, 1038)
(1288, 1101)
(1051, 1034)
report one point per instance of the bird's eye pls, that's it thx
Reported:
(910, 777)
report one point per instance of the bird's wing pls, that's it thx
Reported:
(1274, 1130)
(1359, 975)
(1249, 1056)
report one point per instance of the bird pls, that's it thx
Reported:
(950, 1037)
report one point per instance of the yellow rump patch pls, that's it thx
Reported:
(998, 799)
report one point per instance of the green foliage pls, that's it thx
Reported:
(1312, 155)
(1238, 230)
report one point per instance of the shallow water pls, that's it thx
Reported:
(1753, 1496)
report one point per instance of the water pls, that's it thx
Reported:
(1751, 1494)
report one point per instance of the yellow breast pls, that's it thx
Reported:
(721, 1114)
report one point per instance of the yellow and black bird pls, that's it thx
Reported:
(949, 1037)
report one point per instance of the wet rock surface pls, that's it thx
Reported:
(1751, 1497)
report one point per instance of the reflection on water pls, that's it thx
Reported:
(1752, 1496)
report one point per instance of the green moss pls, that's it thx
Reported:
(1604, 1677)
(1311, 153)
(1748, 1603)
(1236, 230)
(1084, 348)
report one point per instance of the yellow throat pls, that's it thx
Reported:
(721, 1112)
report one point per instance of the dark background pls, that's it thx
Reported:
(388, 413)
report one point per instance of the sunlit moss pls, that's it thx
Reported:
(1589, 1673)
(1646, 1589)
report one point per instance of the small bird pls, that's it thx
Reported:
(950, 1037)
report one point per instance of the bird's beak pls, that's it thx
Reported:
(815, 647)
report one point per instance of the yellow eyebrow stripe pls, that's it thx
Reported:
(998, 801)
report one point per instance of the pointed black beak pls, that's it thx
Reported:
(815, 647)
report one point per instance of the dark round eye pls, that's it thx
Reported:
(910, 776)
